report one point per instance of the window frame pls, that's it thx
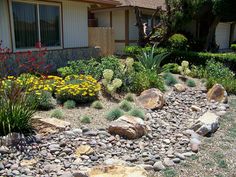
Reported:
(37, 3)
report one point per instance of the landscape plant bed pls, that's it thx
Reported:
(167, 144)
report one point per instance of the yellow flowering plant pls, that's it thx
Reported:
(80, 88)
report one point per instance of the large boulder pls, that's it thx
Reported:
(117, 171)
(47, 126)
(129, 127)
(151, 99)
(207, 124)
(218, 94)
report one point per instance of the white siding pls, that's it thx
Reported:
(223, 35)
(5, 32)
(103, 19)
(133, 30)
(75, 24)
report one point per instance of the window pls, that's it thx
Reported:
(33, 22)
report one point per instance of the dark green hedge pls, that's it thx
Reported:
(200, 58)
(196, 58)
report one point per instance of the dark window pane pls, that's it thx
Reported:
(49, 25)
(25, 24)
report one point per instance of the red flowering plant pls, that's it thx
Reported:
(34, 62)
(4, 58)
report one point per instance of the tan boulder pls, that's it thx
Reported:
(180, 87)
(218, 94)
(151, 99)
(129, 127)
(84, 150)
(117, 171)
(47, 126)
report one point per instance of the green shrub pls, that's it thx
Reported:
(86, 119)
(57, 114)
(178, 41)
(111, 85)
(69, 104)
(125, 105)
(16, 110)
(97, 105)
(233, 47)
(171, 67)
(144, 80)
(130, 97)
(45, 100)
(91, 67)
(114, 114)
(170, 80)
(191, 83)
(137, 112)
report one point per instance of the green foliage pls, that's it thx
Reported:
(125, 105)
(150, 60)
(57, 114)
(171, 67)
(16, 110)
(45, 100)
(168, 172)
(114, 114)
(69, 104)
(97, 105)
(170, 80)
(111, 85)
(178, 41)
(233, 47)
(191, 83)
(137, 112)
(144, 80)
(184, 68)
(91, 67)
(86, 119)
(130, 97)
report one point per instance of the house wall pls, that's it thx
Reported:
(74, 20)
(5, 35)
(75, 24)
(223, 35)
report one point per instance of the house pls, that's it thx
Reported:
(122, 19)
(60, 25)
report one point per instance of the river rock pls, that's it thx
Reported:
(129, 127)
(151, 99)
(218, 94)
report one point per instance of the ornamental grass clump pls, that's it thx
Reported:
(191, 83)
(130, 97)
(69, 104)
(137, 112)
(125, 105)
(80, 88)
(97, 105)
(57, 114)
(86, 119)
(17, 108)
(170, 80)
(114, 114)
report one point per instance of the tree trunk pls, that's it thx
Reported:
(140, 26)
(210, 42)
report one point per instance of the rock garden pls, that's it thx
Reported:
(110, 116)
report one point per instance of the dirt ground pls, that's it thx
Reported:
(217, 155)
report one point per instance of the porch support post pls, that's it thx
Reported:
(232, 29)
(127, 27)
(111, 19)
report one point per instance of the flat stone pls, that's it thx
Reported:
(180, 87)
(217, 93)
(4, 150)
(168, 162)
(84, 150)
(195, 108)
